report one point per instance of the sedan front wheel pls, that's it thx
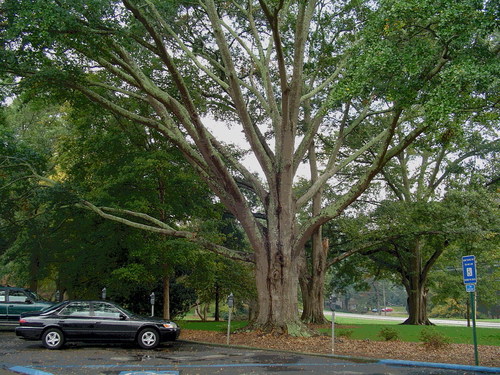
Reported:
(148, 338)
(53, 338)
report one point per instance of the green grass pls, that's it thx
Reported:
(369, 330)
(348, 320)
(211, 325)
(457, 335)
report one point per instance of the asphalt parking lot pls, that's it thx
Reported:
(181, 358)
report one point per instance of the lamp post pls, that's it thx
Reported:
(230, 304)
(332, 301)
(152, 301)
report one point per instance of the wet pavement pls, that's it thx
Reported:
(182, 358)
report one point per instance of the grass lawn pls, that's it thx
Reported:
(457, 335)
(362, 330)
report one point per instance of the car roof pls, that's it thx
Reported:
(12, 287)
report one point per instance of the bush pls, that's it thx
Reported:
(433, 339)
(344, 333)
(389, 334)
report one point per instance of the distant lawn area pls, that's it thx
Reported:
(369, 330)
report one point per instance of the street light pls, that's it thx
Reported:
(152, 300)
(332, 301)
(230, 304)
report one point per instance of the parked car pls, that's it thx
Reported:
(387, 309)
(14, 301)
(98, 321)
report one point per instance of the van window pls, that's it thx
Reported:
(17, 296)
(2, 295)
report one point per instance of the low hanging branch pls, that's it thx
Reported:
(162, 228)
(140, 220)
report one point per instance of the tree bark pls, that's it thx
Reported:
(166, 293)
(277, 284)
(417, 306)
(312, 285)
(312, 282)
(217, 301)
(277, 274)
(414, 281)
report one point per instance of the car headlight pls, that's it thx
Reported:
(170, 325)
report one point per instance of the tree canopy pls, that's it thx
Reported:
(354, 82)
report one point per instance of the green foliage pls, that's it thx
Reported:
(389, 334)
(433, 339)
(449, 308)
(79, 252)
(433, 62)
(344, 333)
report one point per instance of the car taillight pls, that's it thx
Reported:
(21, 321)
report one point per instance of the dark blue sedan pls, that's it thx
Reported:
(97, 321)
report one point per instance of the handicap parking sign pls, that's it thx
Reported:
(469, 269)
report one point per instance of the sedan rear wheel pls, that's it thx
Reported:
(53, 338)
(148, 338)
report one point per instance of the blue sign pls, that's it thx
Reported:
(470, 288)
(469, 269)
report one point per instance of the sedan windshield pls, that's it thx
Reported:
(34, 296)
(53, 307)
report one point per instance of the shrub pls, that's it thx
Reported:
(433, 339)
(389, 334)
(344, 333)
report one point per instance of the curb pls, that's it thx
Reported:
(448, 366)
(393, 362)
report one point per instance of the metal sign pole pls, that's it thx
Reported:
(333, 331)
(474, 334)
(470, 280)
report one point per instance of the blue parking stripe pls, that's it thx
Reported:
(28, 371)
(149, 373)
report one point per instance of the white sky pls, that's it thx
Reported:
(235, 136)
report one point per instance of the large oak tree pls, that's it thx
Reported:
(355, 81)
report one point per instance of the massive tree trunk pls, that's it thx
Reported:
(312, 284)
(414, 280)
(312, 278)
(277, 271)
(166, 292)
(417, 305)
(277, 285)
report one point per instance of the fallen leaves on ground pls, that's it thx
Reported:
(410, 351)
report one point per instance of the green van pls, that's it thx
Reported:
(14, 301)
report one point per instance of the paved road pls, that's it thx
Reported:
(184, 358)
(444, 322)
